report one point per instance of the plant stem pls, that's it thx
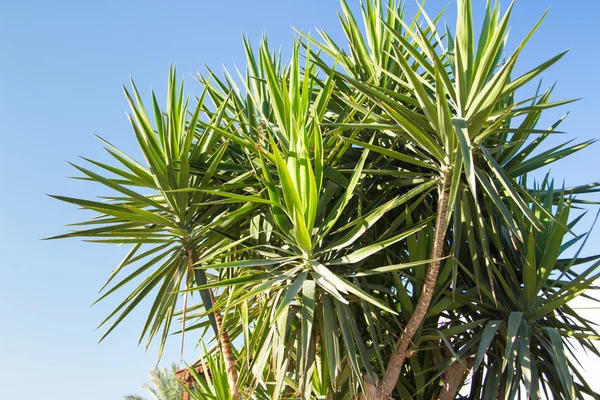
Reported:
(454, 378)
(225, 342)
(388, 383)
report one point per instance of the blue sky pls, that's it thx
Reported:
(62, 66)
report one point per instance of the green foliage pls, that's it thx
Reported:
(307, 199)
(165, 385)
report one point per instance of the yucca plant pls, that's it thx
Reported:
(159, 205)
(359, 220)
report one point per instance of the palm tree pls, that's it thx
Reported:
(165, 385)
(366, 226)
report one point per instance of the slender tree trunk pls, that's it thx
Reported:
(386, 386)
(225, 342)
(454, 378)
(370, 390)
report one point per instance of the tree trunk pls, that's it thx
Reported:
(224, 341)
(388, 383)
(370, 390)
(454, 378)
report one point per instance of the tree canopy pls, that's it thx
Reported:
(365, 219)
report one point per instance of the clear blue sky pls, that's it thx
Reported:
(62, 66)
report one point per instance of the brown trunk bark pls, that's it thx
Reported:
(388, 383)
(225, 342)
(454, 378)
(370, 390)
(228, 355)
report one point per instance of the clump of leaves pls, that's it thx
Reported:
(359, 220)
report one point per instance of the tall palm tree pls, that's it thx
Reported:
(165, 385)
(363, 226)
